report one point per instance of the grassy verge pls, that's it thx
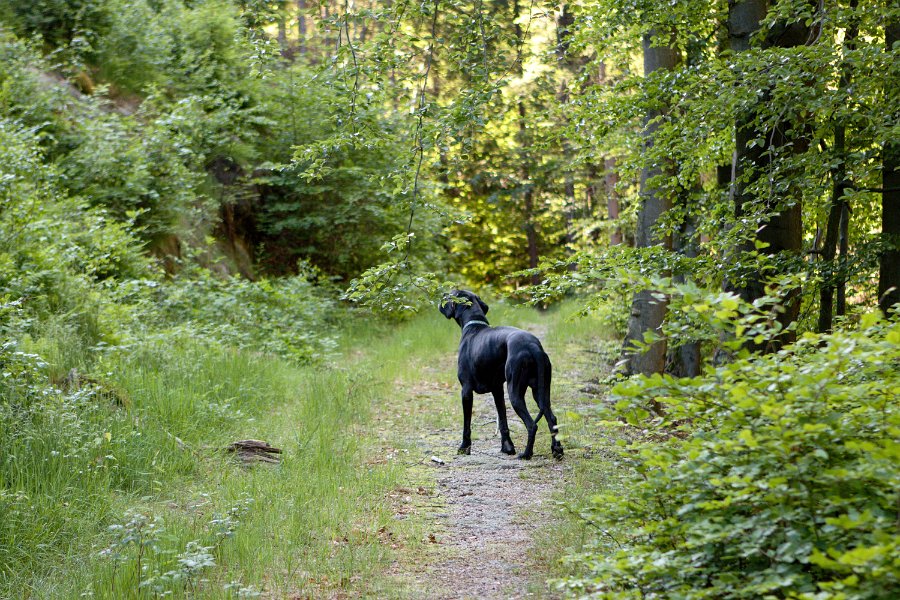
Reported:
(583, 350)
(124, 492)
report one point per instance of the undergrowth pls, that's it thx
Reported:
(115, 484)
(772, 476)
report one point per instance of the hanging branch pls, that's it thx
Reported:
(355, 92)
(419, 143)
(520, 44)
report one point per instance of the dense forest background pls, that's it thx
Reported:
(718, 181)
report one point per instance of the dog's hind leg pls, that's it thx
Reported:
(466, 446)
(541, 394)
(506, 443)
(555, 446)
(516, 390)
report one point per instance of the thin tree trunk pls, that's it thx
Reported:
(839, 212)
(829, 248)
(648, 311)
(301, 26)
(528, 211)
(687, 360)
(610, 180)
(843, 246)
(569, 211)
(284, 46)
(590, 192)
(282, 34)
(889, 269)
(531, 236)
(564, 22)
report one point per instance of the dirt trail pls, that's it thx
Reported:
(486, 508)
(494, 506)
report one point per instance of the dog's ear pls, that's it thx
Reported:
(447, 307)
(484, 307)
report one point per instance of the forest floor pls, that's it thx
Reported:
(490, 520)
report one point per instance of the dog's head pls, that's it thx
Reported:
(455, 304)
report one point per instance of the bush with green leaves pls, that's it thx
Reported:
(144, 169)
(290, 317)
(54, 247)
(773, 476)
(74, 24)
(138, 168)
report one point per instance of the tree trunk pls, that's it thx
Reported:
(829, 248)
(647, 311)
(610, 180)
(839, 212)
(301, 26)
(843, 247)
(590, 193)
(283, 45)
(531, 234)
(569, 210)
(686, 363)
(782, 232)
(528, 210)
(889, 271)
(529, 215)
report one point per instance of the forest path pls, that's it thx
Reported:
(484, 511)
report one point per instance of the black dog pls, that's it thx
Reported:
(490, 356)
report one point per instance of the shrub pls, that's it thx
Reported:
(287, 317)
(774, 476)
(54, 247)
(137, 171)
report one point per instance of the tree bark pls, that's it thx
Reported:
(610, 180)
(284, 46)
(528, 209)
(648, 311)
(686, 363)
(889, 268)
(839, 211)
(570, 210)
(829, 251)
(301, 26)
(782, 232)
(529, 215)
(531, 235)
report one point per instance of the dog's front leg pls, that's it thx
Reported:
(466, 446)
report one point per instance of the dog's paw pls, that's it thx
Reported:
(557, 452)
(508, 448)
(525, 455)
(464, 450)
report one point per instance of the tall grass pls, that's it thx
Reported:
(121, 489)
(104, 491)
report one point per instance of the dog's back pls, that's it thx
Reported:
(491, 356)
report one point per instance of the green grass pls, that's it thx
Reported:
(583, 350)
(316, 523)
(112, 494)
